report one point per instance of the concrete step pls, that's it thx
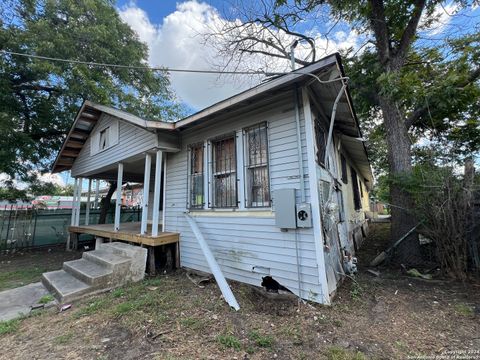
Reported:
(89, 272)
(64, 286)
(136, 254)
(108, 260)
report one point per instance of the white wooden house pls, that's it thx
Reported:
(276, 178)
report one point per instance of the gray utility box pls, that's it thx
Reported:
(304, 215)
(285, 213)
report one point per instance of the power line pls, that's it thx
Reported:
(149, 68)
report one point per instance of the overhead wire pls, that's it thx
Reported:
(168, 69)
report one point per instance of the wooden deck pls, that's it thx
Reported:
(128, 232)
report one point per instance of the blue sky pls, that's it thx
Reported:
(174, 31)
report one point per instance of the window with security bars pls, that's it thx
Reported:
(224, 173)
(256, 163)
(196, 176)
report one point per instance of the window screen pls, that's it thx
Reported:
(196, 176)
(224, 173)
(256, 163)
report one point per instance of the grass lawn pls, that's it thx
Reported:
(169, 317)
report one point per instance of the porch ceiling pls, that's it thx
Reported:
(133, 170)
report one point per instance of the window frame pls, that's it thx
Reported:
(247, 166)
(212, 174)
(189, 176)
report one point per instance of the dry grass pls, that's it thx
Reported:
(168, 317)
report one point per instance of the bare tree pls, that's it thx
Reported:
(265, 29)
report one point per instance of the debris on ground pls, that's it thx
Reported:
(65, 307)
(415, 273)
(373, 272)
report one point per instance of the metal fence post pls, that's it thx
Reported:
(34, 226)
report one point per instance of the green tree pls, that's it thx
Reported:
(38, 188)
(12, 194)
(39, 99)
(404, 88)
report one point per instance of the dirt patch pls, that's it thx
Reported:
(24, 267)
(169, 317)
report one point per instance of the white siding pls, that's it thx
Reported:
(132, 140)
(248, 246)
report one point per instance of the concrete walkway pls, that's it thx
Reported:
(18, 301)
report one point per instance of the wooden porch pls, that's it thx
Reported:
(131, 232)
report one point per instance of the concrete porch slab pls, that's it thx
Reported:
(18, 301)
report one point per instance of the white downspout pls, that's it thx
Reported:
(212, 263)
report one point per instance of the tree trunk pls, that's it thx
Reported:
(105, 203)
(400, 163)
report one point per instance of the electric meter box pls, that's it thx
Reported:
(285, 214)
(304, 215)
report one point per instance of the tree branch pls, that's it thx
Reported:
(423, 110)
(379, 25)
(46, 134)
(36, 87)
(253, 51)
(409, 32)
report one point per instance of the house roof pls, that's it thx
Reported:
(90, 113)
(85, 121)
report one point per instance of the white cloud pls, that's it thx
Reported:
(442, 15)
(179, 43)
(45, 178)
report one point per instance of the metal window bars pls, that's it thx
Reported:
(224, 173)
(196, 177)
(256, 164)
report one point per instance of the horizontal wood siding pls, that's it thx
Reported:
(133, 140)
(248, 247)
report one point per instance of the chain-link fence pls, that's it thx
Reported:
(22, 227)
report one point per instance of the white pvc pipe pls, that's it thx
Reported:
(212, 263)
(332, 121)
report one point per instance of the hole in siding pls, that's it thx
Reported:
(272, 285)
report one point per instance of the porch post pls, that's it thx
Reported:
(118, 202)
(87, 210)
(146, 192)
(164, 191)
(156, 195)
(78, 202)
(74, 202)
